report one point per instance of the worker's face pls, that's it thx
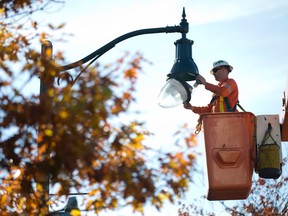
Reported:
(220, 74)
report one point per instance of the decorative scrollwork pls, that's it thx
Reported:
(67, 77)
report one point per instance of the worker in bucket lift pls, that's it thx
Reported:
(225, 97)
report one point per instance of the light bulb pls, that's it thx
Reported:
(174, 93)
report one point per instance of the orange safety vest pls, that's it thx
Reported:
(225, 98)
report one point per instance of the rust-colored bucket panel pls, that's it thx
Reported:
(230, 154)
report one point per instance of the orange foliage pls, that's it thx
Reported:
(74, 135)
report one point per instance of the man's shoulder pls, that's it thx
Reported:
(231, 81)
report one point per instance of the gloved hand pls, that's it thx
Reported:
(201, 80)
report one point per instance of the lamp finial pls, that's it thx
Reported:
(183, 14)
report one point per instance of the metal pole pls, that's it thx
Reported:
(46, 86)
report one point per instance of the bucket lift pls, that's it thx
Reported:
(230, 154)
(238, 143)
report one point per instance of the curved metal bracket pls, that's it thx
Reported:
(110, 45)
(182, 28)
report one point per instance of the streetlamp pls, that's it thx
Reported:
(175, 91)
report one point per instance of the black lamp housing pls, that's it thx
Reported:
(184, 67)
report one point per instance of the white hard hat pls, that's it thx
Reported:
(221, 63)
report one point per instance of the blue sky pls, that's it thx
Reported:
(250, 35)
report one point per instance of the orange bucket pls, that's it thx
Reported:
(230, 154)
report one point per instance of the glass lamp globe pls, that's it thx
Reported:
(174, 93)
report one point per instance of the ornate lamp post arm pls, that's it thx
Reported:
(182, 28)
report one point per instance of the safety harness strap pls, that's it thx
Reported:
(238, 104)
(229, 109)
